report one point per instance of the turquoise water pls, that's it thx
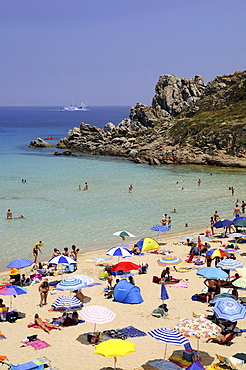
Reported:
(59, 214)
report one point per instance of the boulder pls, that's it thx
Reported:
(40, 143)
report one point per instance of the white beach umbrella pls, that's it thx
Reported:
(97, 314)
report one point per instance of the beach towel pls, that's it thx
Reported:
(132, 332)
(115, 334)
(178, 283)
(180, 361)
(163, 364)
(38, 344)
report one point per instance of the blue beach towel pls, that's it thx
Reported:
(132, 332)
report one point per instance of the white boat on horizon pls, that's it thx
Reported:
(77, 107)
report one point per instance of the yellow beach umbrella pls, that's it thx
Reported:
(114, 348)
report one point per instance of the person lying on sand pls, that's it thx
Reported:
(79, 295)
(44, 325)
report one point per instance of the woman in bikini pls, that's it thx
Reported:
(43, 290)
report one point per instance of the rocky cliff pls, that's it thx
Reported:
(187, 122)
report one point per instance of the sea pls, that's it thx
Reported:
(60, 215)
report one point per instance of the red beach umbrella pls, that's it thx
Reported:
(125, 266)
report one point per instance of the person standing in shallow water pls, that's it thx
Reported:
(130, 188)
(9, 214)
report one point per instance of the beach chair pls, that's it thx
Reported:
(191, 256)
(232, 362)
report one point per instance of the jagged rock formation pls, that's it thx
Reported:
(188, 122)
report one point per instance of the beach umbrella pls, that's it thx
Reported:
(12, 290)
(62, 260)
(229, 309)
(230, 264)
(203, 239)
(166, 336)
(72, 283)
(147, 244)
(123, 234)
(231, 251)
(64, 302)
(239, 222)
(169, 261)
(115, 348)
(119, 251)
(125, 266)
(159, 228)
(240, 283)
(212, 273)
(223, 296)
(222, 223)
(20, 263)
(164, 294)
(198, 327)
(216, 252)
(97, 314)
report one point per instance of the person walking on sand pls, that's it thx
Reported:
(35, 252)
(43, 290)
(44, 325)
(9, 214)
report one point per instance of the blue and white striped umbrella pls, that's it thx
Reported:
(171, 336)
(74, 283)
(57, 260)
(229, 310)
(230, 264)
(119, 251)
(64, 302)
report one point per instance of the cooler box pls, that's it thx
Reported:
(188, 354)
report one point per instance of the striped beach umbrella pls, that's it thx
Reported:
(216, 252)
(230, 264)
(240, 283)
(223, 296)
(123, 234)
(64, 302)
(169, 261)
(97, 314)
(62, 260)
(166, 336)
(119, 251)
(72, 283)
(229, 310)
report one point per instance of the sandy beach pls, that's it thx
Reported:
(69, 348)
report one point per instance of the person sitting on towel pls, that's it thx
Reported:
(165, 275)
(44, 325)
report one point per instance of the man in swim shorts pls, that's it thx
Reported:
(9, 214)
(211, 284)
(236, 211)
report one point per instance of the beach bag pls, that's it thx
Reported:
(194, 297)
(32, 338)
(156, 279)
(158, 312)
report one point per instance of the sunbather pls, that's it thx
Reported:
(79, 295)
(44, 325)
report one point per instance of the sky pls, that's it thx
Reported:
(112, 52)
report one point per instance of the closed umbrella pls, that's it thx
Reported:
(97, 314)
(114, 348)
(166, 335)
(229, 309)
(65, 302)
(212, 273)
(119, 252)
(12, 290)
(164, 294)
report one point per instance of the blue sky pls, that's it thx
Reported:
(112, 52)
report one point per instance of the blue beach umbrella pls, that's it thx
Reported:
(222, 223)
(223, 296)
(12, 290)
(166, 335)
(159, 228)
(229, 310)
(212, 273)
(64, 302)
(20, 263)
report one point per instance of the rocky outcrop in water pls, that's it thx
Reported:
(40, 143)
(187, 122)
